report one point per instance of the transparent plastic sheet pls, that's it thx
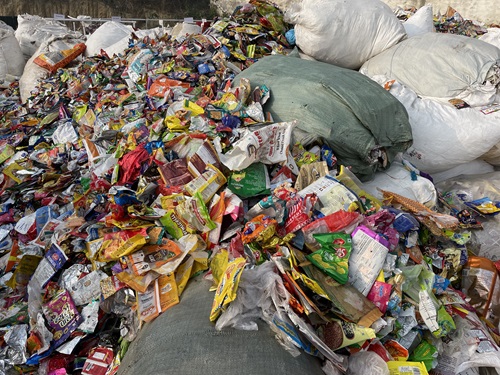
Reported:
(256, 299)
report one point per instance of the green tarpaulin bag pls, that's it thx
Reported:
(363, 123)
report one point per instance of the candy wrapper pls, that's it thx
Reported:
(62, 316)
(333, 256)
(151, 257)
(268, 145)
(175, 173)
(367, 259)
(227, 288)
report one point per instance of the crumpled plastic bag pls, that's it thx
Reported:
(363, 363)
(253, 301)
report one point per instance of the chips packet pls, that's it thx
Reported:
(333, 257)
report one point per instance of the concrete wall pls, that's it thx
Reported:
(109, 8)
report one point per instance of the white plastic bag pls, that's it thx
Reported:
(182, 29)
(344, 32)
(363, 363)
(111, 37)
(398, 179)
(443, 136)
(421, 22)
(445, 66)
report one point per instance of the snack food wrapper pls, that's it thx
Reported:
(250, 182)
(207, 183)
(227, 288)
(151, 257)
(333, 256)
(332, 195)
(62, 316)
(339, 334)
(406, 368)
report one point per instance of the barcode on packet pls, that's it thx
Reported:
(409, 370)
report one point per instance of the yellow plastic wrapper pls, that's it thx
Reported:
(119, 244)
(206, 184)
(167, 288)
(183, 274)
(228, 286)
(218, 265)
(406, 368)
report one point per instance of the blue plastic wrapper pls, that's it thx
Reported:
(328, 156)
(231, 121)
(290, 36)
(43, 215)
(206, 68)
(440, 284)
(403, 222)
(151, 146)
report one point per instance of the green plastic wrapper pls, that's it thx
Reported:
(425, 352)
(250, 182)
(333, 257)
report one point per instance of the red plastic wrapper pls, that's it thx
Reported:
(300, 214)
(175, 173)
(131, 163)
(7, 217)
(98, 361)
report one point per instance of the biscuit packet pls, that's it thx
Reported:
(338, 334)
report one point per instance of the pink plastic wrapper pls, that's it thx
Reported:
(379, 294)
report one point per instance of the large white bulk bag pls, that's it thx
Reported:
(442, 66)
(33, 31)
(444, 137)
(111, 37)
(492, 36)
(421, 22)
(344, 32)
(11, 57)
(33, 73)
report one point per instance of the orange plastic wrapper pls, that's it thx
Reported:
(151, 257)
(256, 227)
(162, 86)
(167, 288)
(55, 60)
(138, 283)
(216, 211)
